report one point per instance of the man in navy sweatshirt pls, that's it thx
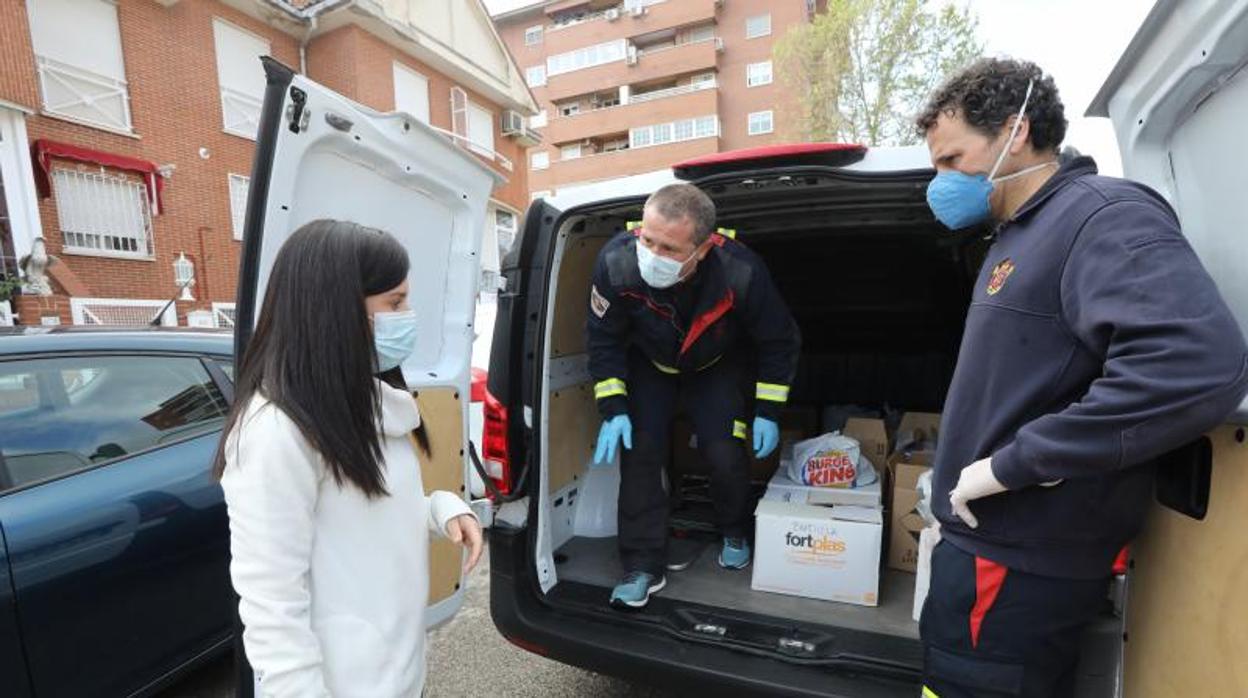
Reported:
(1095, 342)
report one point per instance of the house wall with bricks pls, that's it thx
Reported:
(176, 115)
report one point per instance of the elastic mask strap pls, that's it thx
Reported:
(1028, 170)
(1018, 121)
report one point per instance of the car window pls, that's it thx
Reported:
(64, 414)
(227, 367)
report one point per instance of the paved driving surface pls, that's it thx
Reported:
(467, 657)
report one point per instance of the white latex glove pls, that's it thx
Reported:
(975, 482)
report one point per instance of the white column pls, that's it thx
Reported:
(625, 94)
(19, 179)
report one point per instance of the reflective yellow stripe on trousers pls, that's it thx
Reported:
(738, 429)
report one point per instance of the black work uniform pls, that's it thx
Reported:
(992, 631)
(649, 347)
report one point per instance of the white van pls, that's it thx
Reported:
(853, 246)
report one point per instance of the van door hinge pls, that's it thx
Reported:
(297, 113)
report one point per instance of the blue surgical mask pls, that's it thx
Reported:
(658, 271)
(961, 200)
(394, 336)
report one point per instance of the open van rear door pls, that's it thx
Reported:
(320, 155)
(1178, 99)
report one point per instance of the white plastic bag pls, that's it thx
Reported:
(831, 460)
(928, 538)
(924, 505)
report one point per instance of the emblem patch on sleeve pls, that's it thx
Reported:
(597, 303)
(1000, 273)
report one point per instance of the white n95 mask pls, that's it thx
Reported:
(658, 271)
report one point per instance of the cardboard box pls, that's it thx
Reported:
(905, 523)
(872, 436)
(783, 489)
(830, 553)
(916, 426)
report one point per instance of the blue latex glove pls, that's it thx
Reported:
(619, 426)
(766, 437)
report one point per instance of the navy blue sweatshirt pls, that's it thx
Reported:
(1095, 342)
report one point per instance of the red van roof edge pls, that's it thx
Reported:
(764, 152)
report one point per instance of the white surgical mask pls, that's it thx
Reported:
(394, 337)
(658, 271)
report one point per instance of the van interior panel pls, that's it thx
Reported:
(575, 272)
(574, 409)
(440, 413)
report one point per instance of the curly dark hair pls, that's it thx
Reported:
(989, 91)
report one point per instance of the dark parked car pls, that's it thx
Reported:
(114, 563)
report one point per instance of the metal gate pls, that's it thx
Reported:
(122, 311)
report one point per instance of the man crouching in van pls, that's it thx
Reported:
(677, 306)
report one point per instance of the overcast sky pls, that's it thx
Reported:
(1077, 41)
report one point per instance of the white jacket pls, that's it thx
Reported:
(333, 585)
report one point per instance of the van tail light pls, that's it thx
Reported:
(494, 456)
(1123, 562)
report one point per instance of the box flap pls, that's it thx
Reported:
(906, 475)
(857, 496)
(848, 512)
(841, 512)
(872, 436)
(771, 507)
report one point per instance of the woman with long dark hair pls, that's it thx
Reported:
(320, 463)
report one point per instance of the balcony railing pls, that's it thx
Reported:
(672, 91)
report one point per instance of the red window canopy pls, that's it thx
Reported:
(43, 150)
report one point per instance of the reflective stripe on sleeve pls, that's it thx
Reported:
(738, 429)
(772, 392)
(609, 388)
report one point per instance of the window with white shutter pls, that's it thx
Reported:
(539, 160)
(82, 75)
(481, 130)
(411, 92)
(240, 77)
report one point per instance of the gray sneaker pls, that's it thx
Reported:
(635, 590)
(735, 554)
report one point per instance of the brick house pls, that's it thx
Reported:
(127, 131)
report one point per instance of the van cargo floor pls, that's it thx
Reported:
(596, 561)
